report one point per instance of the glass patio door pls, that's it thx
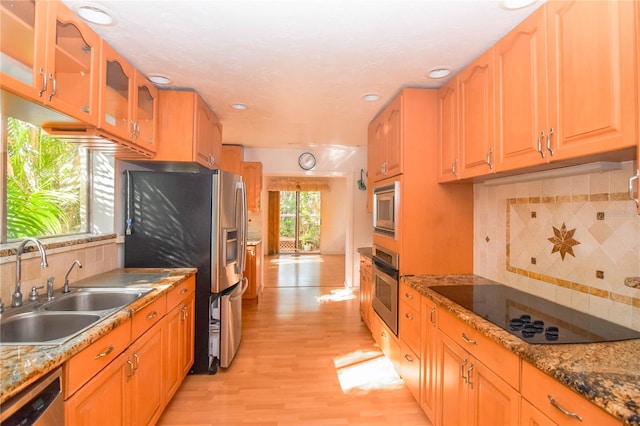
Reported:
(299, 221)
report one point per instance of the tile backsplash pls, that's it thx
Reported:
(573, 240)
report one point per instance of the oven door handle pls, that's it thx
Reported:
(385, 268)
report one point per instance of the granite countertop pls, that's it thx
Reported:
(254, 241)
(607, 374)
(366, 252)
(22, 365)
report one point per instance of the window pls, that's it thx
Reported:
(46, 184)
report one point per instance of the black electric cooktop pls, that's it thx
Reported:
(533, 319)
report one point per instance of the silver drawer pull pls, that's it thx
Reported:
(408, 358)
(105, 353)
(184, 291)
(408, 316)
(152, 315)
(466, 339)
(563, 410)
(408, 296)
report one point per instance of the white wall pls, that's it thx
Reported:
(347, 225)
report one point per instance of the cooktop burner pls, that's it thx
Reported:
(532, 318)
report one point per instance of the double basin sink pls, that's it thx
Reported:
(55, 321)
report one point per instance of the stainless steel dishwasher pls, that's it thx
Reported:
(40, 404)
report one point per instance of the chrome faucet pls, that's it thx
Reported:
(16, 298)
(65, 288)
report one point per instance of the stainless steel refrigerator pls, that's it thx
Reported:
(178, 219)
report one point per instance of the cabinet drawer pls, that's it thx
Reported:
(410, 369)
(181, 292)
(409, 295)
(86, 364)
(538, 386)
(409, 326)
(501, 361)
(148, 316)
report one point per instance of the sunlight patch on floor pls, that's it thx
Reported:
(364, 371)
(336, 296)
(287, 260)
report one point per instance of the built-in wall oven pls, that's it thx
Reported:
(385, 286)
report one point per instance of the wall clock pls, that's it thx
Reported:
(307, 161)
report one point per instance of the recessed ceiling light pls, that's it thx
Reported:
(439, 72)
(515, 4)
(159, 79)
(95, 15)
(239, 107)
(371, 97)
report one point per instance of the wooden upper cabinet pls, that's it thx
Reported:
(232, 156)
(637, 175)
(116, 93)
(521, 94)
(252, 176)
(385, 142)
(592, 78)
(50, 56)
(145, 112)
(187, 129)
(448, 163)
(476, 115)
(565, 84)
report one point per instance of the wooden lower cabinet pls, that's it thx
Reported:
(429, 358)
(567, 407)
(135, 386)
(253, 273)
(366, 290)
(145, 383)
(386, 340)
(470, 393)
(104, 400)
(531, 416)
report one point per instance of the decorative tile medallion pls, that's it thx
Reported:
(563, 241)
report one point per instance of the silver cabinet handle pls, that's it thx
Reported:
(631, 179)
(184, 313)
(489, 158)
(564, 410)
(466, 339)
(133, 129)
(44, 82)
(540, 144)
(454, 167)
(432, 316)
(184, 291)
(54, 90)
(104, 353)
(408, 357)
(408, 296)
(549, 142)
(136, 364)
(131, 369)
(463, 370)
(152, 315)
(408, 316)
(469, 370)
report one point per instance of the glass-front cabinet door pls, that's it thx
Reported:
(72, 63)
(23, 34)
(116, 91)
(50, 56)
(145, 113)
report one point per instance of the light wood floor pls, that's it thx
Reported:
(305, 359)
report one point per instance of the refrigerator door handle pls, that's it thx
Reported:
(245, 286)
(242, 247)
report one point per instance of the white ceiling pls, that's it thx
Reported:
(301, 66)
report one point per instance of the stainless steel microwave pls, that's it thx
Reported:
(386, 202)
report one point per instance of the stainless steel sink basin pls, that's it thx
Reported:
(44, 328)
(94, 300)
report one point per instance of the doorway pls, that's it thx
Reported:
(294, 222)
(299, 222)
